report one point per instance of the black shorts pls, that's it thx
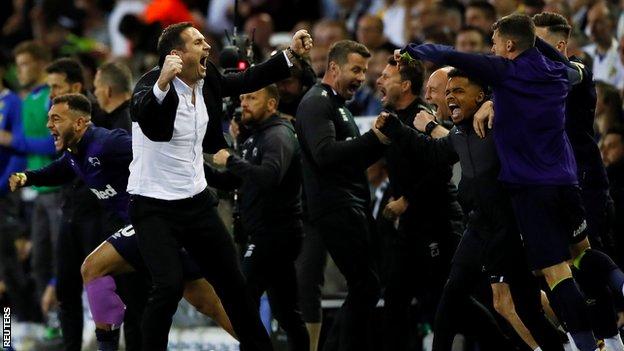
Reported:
(550, 218)
(125, 242)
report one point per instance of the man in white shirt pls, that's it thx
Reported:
(604, 48)
(177, 116)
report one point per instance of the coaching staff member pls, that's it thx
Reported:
(176, 111)
(335, 158)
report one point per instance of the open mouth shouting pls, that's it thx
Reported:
(455, 110)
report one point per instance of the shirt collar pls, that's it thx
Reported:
(183, 88)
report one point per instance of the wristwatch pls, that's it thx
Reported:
(430, 127)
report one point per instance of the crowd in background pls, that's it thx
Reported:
(34, 34)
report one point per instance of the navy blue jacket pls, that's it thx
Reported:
(101, 159)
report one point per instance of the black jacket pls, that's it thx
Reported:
(118, 118)
(157, 120)
(334, 154)
(580, 110)
(425, 183)
(268, 175)
(482, 196)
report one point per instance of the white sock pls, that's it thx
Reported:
(538, 349)
(614, 343)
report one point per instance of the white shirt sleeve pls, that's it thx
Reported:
(290, 64)
(160, 95)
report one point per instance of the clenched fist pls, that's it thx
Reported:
(301, 42)
(220, 158)
(170, 68)
(17, 180)
(422, 119)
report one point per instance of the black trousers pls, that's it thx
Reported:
(269, 266)
(347, 236)
(162, 227)
(418, 268)
(310, 267)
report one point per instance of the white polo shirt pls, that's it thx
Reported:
(607, 68)
(172, 170)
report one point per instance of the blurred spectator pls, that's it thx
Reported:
(604, 48)
(561, 7)
(533, 7)
(120, 46)
(505, 7)
(396, 17)
(14, 21)
(612, 150)
(168, 12)
(608, 108)
(437, 35)
(453, 16)
(318, 59)
(472, 40)
(480, 14)
(113, 90)
(326, 32)
(349, 12)
(31, 59)
(425, 19)
(260, 28)
(13, 281)
(370, 32)
(292, 89)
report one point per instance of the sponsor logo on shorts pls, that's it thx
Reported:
(107, 193)
(125, 231)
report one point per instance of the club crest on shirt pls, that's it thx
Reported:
(94, 161)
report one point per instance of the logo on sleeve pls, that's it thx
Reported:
(94, 161)
(107, 193)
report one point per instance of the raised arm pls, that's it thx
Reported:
(56, 173)
(488, 68)
(313, 118)
(439, 150)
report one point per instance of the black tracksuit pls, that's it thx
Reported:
(335, 157)
(429, 231)
(269, 175)
(491, 242)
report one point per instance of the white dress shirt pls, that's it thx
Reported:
(174, 169)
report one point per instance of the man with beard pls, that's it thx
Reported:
(424, 204)
(335, 158)
(100, 158)
(268, 175)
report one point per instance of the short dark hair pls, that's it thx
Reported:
(117, 75)
(456, 73)
(616, 130)
(35, 49)
(519, 27)
(554, 22)
(488, 9)
(272, 92)
(76, 102)
(340, 50)
(170, 39)
(71, 68)
(414, 72)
